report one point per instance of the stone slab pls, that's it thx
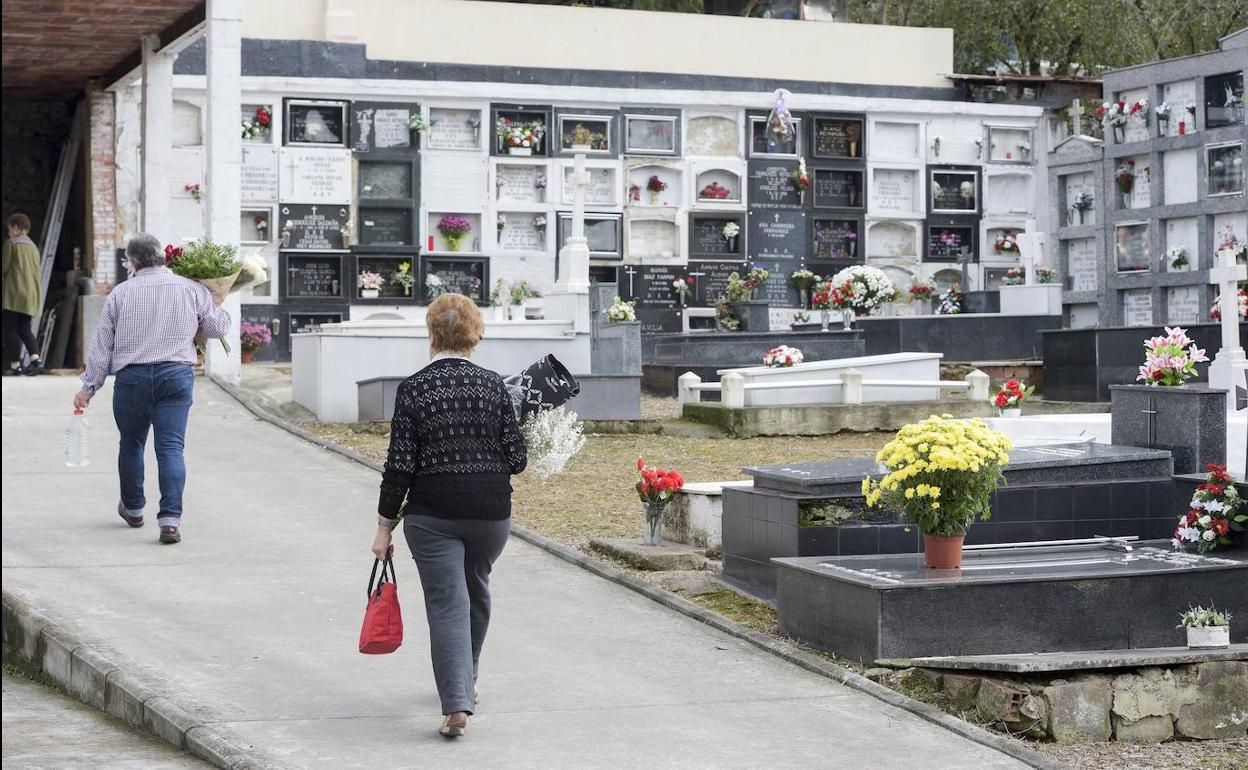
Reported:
(1085, 660)
(827, 419)
(1066, 462)
(731, 349)
(968, 337)
(659, 558)
(1189, 422)
(866, 608)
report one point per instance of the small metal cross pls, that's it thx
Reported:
(1151, 411)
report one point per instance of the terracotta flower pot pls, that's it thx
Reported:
(941, 552)
(247, 356)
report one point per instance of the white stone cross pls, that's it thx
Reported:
(1076, 117)
(574, 256)
(1030, 251)
(1230, 358)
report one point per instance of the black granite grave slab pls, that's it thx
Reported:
(1028, 465)
(1003, 601)
(1189, 422)
(1081, 364)
(960, 337)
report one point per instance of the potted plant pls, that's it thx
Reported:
(1124, 178)
(1015, 276)
(656, 488)
(750, 312)
(622, 311)
(253, 337)
(1083, 204)
(941, 475)
(655, 187)
(1213, 514)
(782, 357)
(1011, 397)
(454, 230)
(403, 278)
(725, 320)
(521, 295)
(1206, 628)
(581, 139)
(803, 280)
(520, 137)
(417, 124)
(1170, 360)
(369, 284)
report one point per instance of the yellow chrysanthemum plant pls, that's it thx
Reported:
(941, 475)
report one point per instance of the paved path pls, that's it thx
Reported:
(45, 729)
(252, 623)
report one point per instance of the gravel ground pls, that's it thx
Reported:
(1176, 755)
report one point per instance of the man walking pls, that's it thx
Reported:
(145, 337)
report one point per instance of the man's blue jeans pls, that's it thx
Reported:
(145, 397)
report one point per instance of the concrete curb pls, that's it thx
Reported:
(784, 650)
(36, 643)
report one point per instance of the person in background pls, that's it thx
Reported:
(454, 445)
(145, 338)
(21, 297)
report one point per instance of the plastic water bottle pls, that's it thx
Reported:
(76, 454)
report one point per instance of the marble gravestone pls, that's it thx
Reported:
(521, 232)
(259, 174)
(1183, 233)
(1081, 264)
(893, 191)
(707, 239)
(385, 227)
(316, 175)
(314, 276)
(451, 129)
(712, 135)
(842, 188)
(599, 192)
(652, 238)
(312, 228)
(520, 183)
(771, 184)
(1182, 305)
(381, 125)
(382, 180)
(892, 239)
(711, 280)
(777, 235)
(1137, 307)
(1131, 247)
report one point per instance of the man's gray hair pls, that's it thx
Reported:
(144, 250)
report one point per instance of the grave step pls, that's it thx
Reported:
(1083, 660)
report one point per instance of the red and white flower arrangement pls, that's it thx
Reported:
(714, 192)
(782, 357)
(521, 133)
(657, 485)
(870, 288)
(683, 287)
(1124, 177)
(1112, 113)
(922, 290)
(1212, 515)
(1170, 360)
(800, 177)
(828, 296)
(1012, 395)
(1138, 110)
(1007, 243)
(1216, 312)
(1015, 276)
(258, 124)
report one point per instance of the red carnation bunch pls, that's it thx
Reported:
(657, 485)
(263, 116)
(172, 253)
(1012, 395)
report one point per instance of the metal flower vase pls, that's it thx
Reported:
(847, 320)
(825, 316)
(653, 533)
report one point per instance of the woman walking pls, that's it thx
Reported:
(21, 297)
(454, 445)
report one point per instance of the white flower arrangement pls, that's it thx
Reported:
(731, 230)
(553, 437)
(1177, 257)
(871, 287)
(967, 190)
(782, 356)
(369, 280)
(621, 311)
(434, 287)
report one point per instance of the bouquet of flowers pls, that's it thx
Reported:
(714, 192)
(1012, 395)
(655, 185)
(474, 287)
(1014, 277)
(724, 319)
(1177, 257)
(1046, 275)
(520, 133)
(950, 303)
(521, 290)
(741, 289)
(803, 279)
(258, 123)
(195, 190)
(634, 193)
(780, 124)
(683, 287)
(1139, 110)
(417, 123)
(1212, 515)
(402, 276)
(800, 177)
(781, 357)
(501, 295)
(1216, 312)
(731, 230)
(434, 286)
(1112, 113)
(454, 229)
(622, 311)
(1170, 360)
(254, 336)
(870, 288)
(921, 290)
(218, 267)
(552, 437)
(370, 281)
(1124, 177)
(1007, 243)
(1163, 112)
(1084, 201)
(657, 485)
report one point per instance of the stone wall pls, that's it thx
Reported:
(1202, 701)
(102, 182)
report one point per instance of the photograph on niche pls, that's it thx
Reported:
(316, 123)
(1225, 166)
(650, 134)
(1224, 100)
(954, 191)
(1131, 247)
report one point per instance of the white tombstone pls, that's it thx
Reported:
(1032, 297)
(1227, 275)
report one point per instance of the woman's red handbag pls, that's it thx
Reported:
(383, 621)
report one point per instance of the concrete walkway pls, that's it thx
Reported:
(252, 623)
(46, 729)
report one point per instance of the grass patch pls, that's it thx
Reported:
(734, 606)
(38, 677)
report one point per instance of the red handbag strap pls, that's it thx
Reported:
(386, 567)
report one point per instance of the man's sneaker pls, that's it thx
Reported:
(170, 535)
(134, 521)
(34, 369)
